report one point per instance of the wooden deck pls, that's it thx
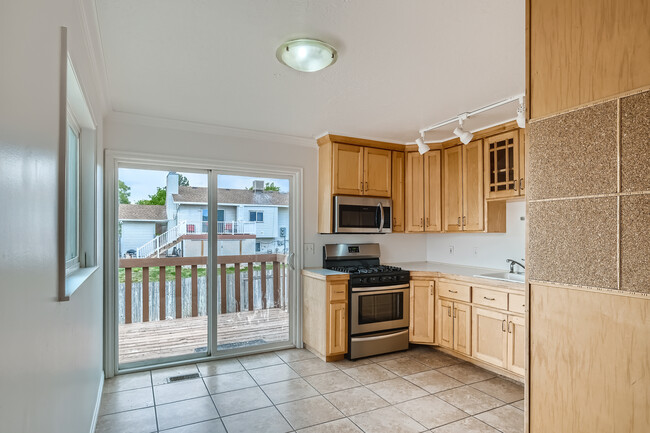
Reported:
(161, 339)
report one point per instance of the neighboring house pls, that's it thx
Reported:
(139, 224)
(248, 221)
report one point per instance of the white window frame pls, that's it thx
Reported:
(73, 264)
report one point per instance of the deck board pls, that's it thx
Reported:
(165, 338)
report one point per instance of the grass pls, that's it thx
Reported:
(186, 272)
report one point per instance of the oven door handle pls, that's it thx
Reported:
(379, 289)
(381, 219)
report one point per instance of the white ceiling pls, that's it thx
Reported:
(403, 65)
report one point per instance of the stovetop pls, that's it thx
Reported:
(353, 270)
(378, 275)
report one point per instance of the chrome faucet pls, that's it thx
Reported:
(512, 265)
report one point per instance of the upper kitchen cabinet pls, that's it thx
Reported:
(463, 201)
(398, 191)
(353, 167)
(504, 165)
(423, 193)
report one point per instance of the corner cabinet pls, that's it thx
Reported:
(353, 167)
(504, 159)
(421, 312)
(325, 314)
(423, 192)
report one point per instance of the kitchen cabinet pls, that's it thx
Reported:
(505, 165)
(397, 195)
(353, 167)
(454, 325)
(421, 318)
(423, 192)
(325, 314)
(516, 344)
(499, 339)
(463, 187)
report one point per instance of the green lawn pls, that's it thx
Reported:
(186, 272)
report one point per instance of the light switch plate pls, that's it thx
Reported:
(309, 249)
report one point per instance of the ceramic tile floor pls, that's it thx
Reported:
(419, 390)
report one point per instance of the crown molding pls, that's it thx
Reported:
(208, 128)
(362, 137)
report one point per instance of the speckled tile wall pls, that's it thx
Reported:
(589, 196)
(573, 154)
(635, 143)
(573, 241)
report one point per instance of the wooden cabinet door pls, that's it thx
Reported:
(516, 344)
(337, 340)
(452, 169)
(414, 192)
(473, 200)
(421, 312)
(397, 186)
(522, 162)
(502, 165)
(432, 191)
(445, 323)
(490, 337)
(377, 172)
(462, 328)
(347, 166)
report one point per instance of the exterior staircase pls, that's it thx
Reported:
(162, 242)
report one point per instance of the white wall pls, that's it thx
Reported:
(51, 352)
(492, 248)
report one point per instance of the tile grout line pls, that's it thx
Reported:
(618, 197)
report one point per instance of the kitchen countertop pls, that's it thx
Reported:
(325, 274)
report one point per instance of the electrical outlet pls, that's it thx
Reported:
(476, 251)
(451, 250)
(309, 249)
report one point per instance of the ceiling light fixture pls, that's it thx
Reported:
(306, 55)
(422, 146)
(464, 135)
(521, 113)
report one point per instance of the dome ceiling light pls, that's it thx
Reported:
(306, 55)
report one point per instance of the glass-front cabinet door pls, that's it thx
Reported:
(502, 165)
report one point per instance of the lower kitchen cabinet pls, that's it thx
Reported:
(516, 344)
(499, 339)
(454, 324)
(337, 337)
(421, 318)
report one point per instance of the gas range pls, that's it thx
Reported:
(373, 275)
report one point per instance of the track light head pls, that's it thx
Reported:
(422, 146)
(464, 135)
(521, 113)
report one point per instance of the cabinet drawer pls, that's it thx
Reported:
(458, 292)
(337, 292)
(516, 303)
(490, 298)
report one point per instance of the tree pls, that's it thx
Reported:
(160, 197)
(270, 186)
(183, 181)
(124, 192)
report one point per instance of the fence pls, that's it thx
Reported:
(187, 297)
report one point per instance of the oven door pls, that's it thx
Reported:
(362, 215)
(375, 309)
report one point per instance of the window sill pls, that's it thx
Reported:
(76, 279)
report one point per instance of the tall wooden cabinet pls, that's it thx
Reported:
(463, 200)
(421, 317)
(504, 157)
(423, 193)
(398, 191)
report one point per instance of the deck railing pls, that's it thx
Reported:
(237, 299)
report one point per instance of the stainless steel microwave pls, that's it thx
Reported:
(362, 215)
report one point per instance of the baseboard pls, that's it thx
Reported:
(98, 403)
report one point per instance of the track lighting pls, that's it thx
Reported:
(464, 135)
(521, 113)
(422, 146)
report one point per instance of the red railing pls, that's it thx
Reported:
(279, 285)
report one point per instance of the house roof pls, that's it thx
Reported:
(142, 212)
(196, 194)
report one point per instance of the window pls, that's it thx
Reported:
(220, 215)
(258, 247)
(72, 196)
(256, 216)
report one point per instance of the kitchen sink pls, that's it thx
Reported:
(504, 276)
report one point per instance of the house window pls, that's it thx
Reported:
(256, 216)
(258, 247)
(72, 195)
(220, 215)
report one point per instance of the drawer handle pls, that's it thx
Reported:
(510, 327)
(453, 291)
(489, 299)
(503, 326)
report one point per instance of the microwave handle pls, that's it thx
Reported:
(381, 219)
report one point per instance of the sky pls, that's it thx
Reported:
(143, 183)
